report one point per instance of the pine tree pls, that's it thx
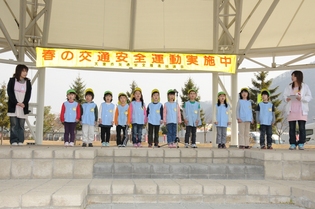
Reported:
(4, 119)
(133, 85)
(79, 88)
(185, 97)
(259, 84)
(49, 120)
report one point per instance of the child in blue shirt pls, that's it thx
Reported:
(265, 116)
(191, 112)
(106, 117)
(244, 117)
(137, 116)
(121, 116)
(155, 118)
(69, 116)
(171, 117)
(222, 119)
(89, 115)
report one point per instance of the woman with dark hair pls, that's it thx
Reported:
(297, 95)
(19, 91)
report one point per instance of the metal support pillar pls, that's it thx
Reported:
(234, 124)
(40, 106)
(215, 89)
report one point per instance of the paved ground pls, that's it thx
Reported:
(190, 205)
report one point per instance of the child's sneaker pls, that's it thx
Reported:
(223, 146)
(71, 144)
(123, 145)
(135, 145)
(301, 146)
(14, 144)
(66, 144)
(292, 147)
(103, 144)
(219, 146)
(186, 145)
(193, 146)
(84, 145)
(90, 145)
(139, 144)
(262, 147)
(174, 145)
(170, 145)
(20, 144)
(269, 147)
(156, 146)
(150, 145)
(107, 144)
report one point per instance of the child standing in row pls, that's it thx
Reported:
(121, 116)
(106, 117)
(265, 116)
(69, 116)
(89, 115)
(137, 116)
(171, 117)
(191, 111)
(155, 117)
(244, 117)
(222, 119)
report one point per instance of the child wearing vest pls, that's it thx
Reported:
(137, 116)
(155, 118)
(171, 117)
(106, 117)
(69, 116)
(191, 112)
(265, 116)
(89, 116)
(121, 115)
(222, 119)
(244, 117)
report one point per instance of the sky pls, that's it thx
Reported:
(58, 81)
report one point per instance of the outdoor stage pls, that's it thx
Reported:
(73, 177)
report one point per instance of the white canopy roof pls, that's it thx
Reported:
(252, 28)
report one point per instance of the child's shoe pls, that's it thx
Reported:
(90, 145)
(269, 147)
(20, 144)
(247, 147)
(241, 146)
(292, 147)
(107, 144)
(194, 146)
(186, 145)
(262, 147)
(135, 145)
(123, 145)
(71, 144)
(156, 146)
(103, 144)
(170, 145)
(84, 145)
(219, 146)
(223, 146)
(150, 145)
(139, 144)
(301, 146)
(174, 145)
(66, 144)
(14, 144)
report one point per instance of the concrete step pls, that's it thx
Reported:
(78, 193)
(177, 171)
(201, 191)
